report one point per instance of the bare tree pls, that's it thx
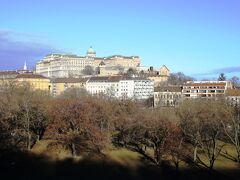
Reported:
(148, 130)
(23, 115)
(222, 77)
(235, 81)
(88, 70)
(178, 78)
(79, 124)
(232, 131)
(201, 124)
(178, 149)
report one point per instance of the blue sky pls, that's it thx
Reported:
(200, 38)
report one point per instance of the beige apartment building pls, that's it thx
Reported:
(169, 96)
(60, 85)
(205, 89)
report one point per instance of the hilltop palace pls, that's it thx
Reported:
(60, 65)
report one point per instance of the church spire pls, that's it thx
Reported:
(25, 66)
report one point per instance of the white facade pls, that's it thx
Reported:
(59, 65)
(205, 89)
(136, 88)
(102, 86)
(119, 87)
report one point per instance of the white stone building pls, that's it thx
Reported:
(104, 85)
(121, 87)
(57, 65)
(60, 65)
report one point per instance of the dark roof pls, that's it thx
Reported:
(68, 80)
(105, 79)
(102, 63)
(135, 78)
(9, 73)
(206, 84)
(168, 89)
(32, 76)
(114, 78)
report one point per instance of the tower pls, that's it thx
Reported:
(25, 66)
(91, 52)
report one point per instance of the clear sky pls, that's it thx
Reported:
(197, 37)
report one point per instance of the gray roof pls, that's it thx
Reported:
(69, 80)
(114, 78)
(105, 79)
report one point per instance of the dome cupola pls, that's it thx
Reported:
(91, 52)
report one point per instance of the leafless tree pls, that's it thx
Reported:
(82, 125)
(231, 128)
(201, 124)
(88, 70)
(22, 114)
(148, 130)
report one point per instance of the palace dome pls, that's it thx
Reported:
(91, 51)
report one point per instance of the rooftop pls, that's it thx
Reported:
(114, 78)
(31, 76)
(105, 79)
(206, 83)
(9, 73)
(69, 80)
(168, 89)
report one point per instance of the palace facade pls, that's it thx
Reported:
(60, 65)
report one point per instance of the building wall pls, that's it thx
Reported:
(164, 71)
(167, 98)
(205, 89)
(60, 87)
(62, 66)
(103, 88)
(158, 79)
(36, 83)
(123, 89)
(105, 71)
(57, 65)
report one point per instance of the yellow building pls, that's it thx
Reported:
(37, 82)
(60, 85)
(164, 71)
(158, 79)
(7, 77)
(162, 76)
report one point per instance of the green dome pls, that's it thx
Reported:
(91, 51)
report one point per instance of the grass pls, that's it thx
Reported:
(133, 160)
(51, 149)
(125, 157)
(223, 164)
